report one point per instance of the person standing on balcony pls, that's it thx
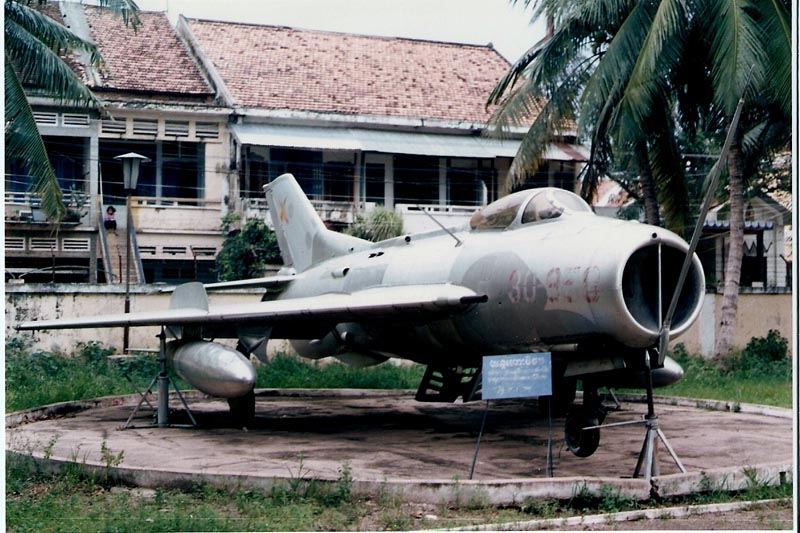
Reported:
(109, 220)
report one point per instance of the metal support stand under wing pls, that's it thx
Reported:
(164, 381)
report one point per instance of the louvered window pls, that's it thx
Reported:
(174, 250)
(176, 128)
(41, 244)
(207, 130)
(116, 127)
(75, 245)
(45, 119)
(145, 127)
(16, 244)
(74, 120)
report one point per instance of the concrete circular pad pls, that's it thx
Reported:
(423, 450)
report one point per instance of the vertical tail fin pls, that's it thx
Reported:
(302, 237)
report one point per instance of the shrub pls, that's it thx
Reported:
(379, 225)
(246, 252)
(773, 347)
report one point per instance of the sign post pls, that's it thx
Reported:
(528, 375)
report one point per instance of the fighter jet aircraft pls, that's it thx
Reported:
(534, 271)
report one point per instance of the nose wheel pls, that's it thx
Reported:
(581, 442)
(580, 430)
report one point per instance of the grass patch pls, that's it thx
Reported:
(77, 502)
(36, 378)
(40, 378)
(745, 377)
(290, 372)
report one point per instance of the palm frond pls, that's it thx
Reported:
(40, 66)
(559, 108)
(24, 143)
(659, 55)
(735, 49)
(50, 33)
(777, 37)
(667, 169)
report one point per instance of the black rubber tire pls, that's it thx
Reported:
(581, 442)
(243, 409)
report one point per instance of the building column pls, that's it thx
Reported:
(358, 193)
(388, 183)
(92, 153)
(443, 181)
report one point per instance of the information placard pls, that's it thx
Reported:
(527, 375)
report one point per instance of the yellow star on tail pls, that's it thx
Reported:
(283, 216)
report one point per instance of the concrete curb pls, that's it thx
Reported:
(711, 405)
(436, 491)
(628, 516)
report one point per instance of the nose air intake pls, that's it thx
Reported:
(648, 283)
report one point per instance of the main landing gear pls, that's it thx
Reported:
(243, 409)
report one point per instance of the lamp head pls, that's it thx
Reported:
(130, 169)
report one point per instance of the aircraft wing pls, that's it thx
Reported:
(417, 301)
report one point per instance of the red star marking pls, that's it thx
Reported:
(283, 216)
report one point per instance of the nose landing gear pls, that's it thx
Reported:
(580, 430)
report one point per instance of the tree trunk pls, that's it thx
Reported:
(733, 264)
(648, 187)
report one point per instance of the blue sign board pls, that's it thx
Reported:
(527, 375)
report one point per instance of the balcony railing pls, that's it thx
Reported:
(25, 208)
(329, 211)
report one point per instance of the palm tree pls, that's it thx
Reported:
(589, 68)
(35, 48)
(639, 71)
(745, 38)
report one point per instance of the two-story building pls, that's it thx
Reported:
(221, 108)
(156, 104)
(364, 120)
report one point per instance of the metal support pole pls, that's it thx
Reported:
(478, 442)
(549, 472)
(647, 464)
(128, 218)
(163, 383)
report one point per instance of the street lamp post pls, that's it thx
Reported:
(130, 175)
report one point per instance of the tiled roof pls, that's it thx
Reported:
(269, 67)
(151, 59)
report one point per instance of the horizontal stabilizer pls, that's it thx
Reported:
(267, 282)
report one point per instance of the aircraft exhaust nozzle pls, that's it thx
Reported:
(649, 278)
(212, 368)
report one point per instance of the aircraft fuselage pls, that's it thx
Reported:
(568, 280)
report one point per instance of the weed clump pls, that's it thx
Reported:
(36, 378)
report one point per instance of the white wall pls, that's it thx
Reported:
(758, 313)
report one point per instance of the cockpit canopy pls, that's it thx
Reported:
(525, 207)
